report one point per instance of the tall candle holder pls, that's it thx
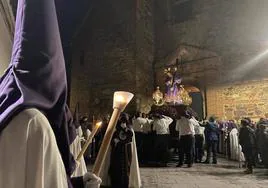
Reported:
(121, 100)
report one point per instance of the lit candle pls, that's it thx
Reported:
(89, 140)
(121, 99)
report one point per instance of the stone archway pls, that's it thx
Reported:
(196, 66)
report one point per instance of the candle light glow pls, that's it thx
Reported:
(89, 140)
(121, 99)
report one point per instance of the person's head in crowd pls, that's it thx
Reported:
(262, 119)
(211, 119)
(245, 122)
(137, 114)
(187, 114)
(124, 118)
(143, 115)
(232, 121)
(123, 121)
(157, 115)
(231, 124)
(249, 120)
(83, 119)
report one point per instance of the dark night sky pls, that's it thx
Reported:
(70, 16)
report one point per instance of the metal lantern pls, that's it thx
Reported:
(158, 97)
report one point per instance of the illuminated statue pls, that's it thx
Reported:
(172, 91)
(175, 93)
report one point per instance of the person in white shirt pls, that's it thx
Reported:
(148, 141)
(138, 124)
(161, 127)
(161, 124)
(185, 126)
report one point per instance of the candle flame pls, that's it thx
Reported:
(119, 98)
(98, 124)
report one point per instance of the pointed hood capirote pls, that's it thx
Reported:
(36, 76)
(76, 119)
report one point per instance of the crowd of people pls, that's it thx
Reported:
(159, 134)
(159, 137)
(246, 141)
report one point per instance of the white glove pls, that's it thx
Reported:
(91, 180)
(82, 139)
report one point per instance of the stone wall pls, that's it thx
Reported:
(144, 54)
(234, 30)
(237, 100)
(104, 56)
(113, 51)
(230, 28)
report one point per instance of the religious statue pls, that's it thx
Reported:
(175, 93)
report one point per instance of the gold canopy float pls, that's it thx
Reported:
(181, 98)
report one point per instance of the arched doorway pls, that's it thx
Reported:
(197, 100)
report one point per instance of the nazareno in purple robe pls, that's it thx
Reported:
(36, 76)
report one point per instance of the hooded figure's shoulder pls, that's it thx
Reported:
(30, 120)
(29, 114)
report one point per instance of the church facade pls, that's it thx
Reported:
(221, 47)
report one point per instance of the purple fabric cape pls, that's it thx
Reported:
(36, 76)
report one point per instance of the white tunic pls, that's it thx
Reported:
(75, 148)
(234, 144)
(29, 155)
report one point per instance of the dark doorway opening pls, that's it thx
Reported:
(197, 100)
(197, 104)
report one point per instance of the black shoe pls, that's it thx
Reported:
(206, 162)
(179, 165)
(189, 165)
(214, 162)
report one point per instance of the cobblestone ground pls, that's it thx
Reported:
(225, 174)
